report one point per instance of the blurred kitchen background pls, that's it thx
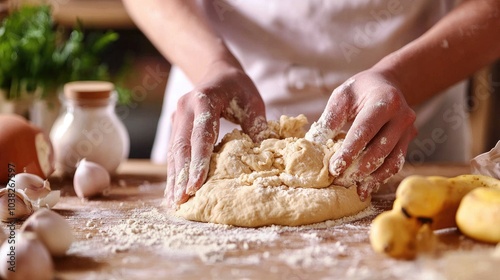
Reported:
(131, 53)
(135, 52)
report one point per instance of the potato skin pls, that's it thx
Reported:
(394, 234)
(478, 215)
(434, 202)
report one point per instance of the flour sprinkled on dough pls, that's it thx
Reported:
(337, 166)
(319, 131)
(282, 181)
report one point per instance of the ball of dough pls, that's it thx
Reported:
(281, 181)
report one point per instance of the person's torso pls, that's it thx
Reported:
(298, 51)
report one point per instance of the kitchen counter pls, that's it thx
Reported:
(127, 234)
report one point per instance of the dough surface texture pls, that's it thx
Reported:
(281, 181)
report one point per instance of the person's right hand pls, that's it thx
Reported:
(225, 91)
(375, 145)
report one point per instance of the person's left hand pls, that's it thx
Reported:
(375, 145)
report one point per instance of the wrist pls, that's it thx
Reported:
(391, 69)
(222, 63)
(224, 59)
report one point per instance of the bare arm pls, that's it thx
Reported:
(461, 43)
(181, 33)
(377, 100)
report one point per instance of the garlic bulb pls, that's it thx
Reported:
(37, 189)
(33, 186)
(27, 258)
(90, 179)
(52, 229)
(14, 204)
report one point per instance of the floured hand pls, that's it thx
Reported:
(376, 143)
(225, 92)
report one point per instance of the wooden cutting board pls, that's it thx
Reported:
(127, 234)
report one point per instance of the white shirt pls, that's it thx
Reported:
(298, 51)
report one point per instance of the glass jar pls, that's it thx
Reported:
(89, 128)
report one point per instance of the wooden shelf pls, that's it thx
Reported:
(94, 13)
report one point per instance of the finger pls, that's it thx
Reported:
(348, 177)
(334, 117)
(170, 188)
(365, 126)
(181, 149)
(205, 131)
(255, 125)
(381, 146)
(365, 188)
(393, 163)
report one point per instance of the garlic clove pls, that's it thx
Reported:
(90, 179)
(27, 258)
(34, 186)
(14, 204)
(50, 200)
(52, 229)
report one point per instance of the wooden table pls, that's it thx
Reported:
(127, 235)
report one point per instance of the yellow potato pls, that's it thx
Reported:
(479, 215)
(420, 196)
(433, 201)
(437, 198)
(394, 234)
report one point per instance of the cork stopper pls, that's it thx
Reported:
(88, 90)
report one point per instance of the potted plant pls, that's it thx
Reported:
(37, 59)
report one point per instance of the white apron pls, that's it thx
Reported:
(298, 51)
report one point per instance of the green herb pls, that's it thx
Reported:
(34, 54)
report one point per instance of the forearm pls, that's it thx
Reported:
(461, 43)
(181, 33)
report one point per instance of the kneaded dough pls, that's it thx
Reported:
(282, 181)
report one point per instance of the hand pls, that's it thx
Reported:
(226, 92)
(375, 145)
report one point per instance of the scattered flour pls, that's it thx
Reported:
(151, 227)
(333, 249)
